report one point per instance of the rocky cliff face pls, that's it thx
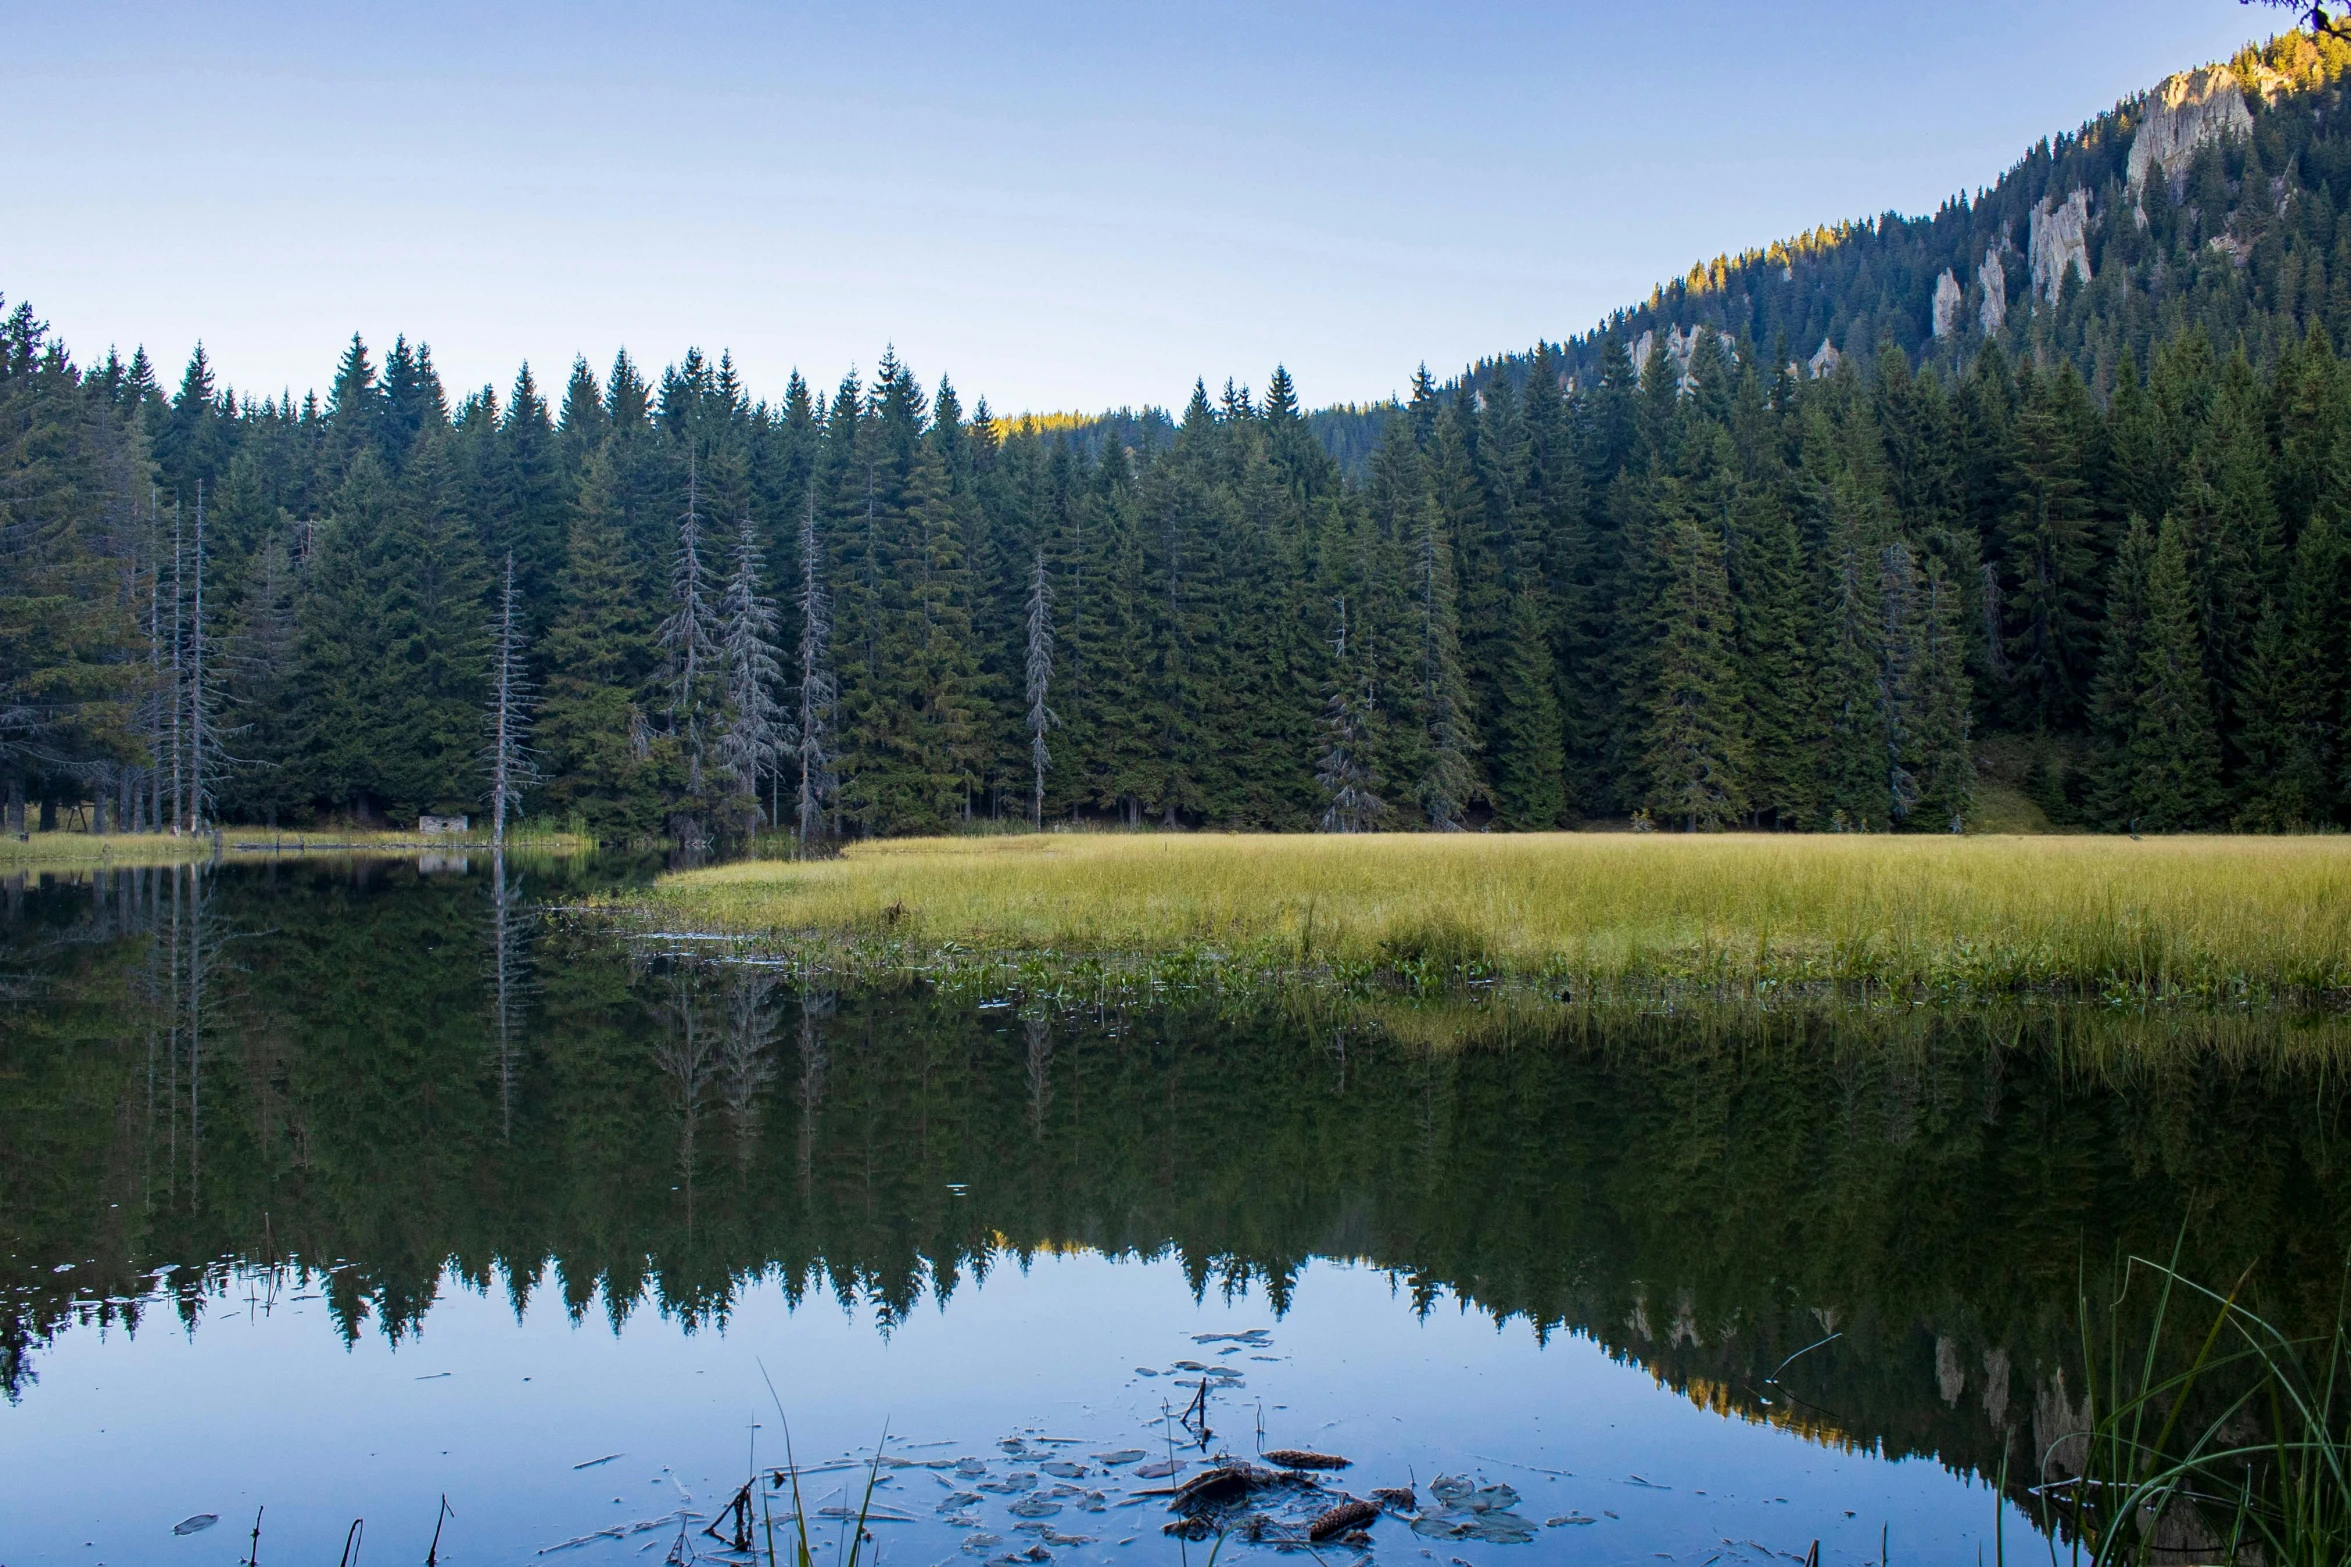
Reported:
(1993, 313)
(2059, 240)
(1948, 296)
(1679, 346)
(2184, 113)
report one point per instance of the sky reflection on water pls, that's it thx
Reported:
(268, 1408)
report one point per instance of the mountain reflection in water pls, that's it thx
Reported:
(1869, 1228)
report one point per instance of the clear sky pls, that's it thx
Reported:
(1064, 206)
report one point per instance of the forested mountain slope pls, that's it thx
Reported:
(2093, 538)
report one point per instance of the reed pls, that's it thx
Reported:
(2218, 918)
(2242, 1454)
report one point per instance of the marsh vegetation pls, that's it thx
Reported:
(2209, 919)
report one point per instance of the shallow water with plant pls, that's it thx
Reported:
(332, 1189)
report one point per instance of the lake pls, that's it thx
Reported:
(334, 1190)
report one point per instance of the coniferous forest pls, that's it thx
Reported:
(2093, 545)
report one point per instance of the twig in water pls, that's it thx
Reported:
(253, 1552)
(351, 1539)
(432, 1555)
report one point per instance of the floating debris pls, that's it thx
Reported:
(1062, 1468)
(1564, 1520)
(1349, 1514)
(195, 1524)
(1162, 1469)
(594, 1462)
(1125, 1455)
(1469, 1511)
(1034, 1507)
(1302, 1458)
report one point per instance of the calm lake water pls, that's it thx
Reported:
(331, 1189)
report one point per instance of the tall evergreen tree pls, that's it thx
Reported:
(1694, 750)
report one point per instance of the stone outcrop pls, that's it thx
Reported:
(1947, 300)
(2060, 239)
(1993, 312)
(1824, 360)
(1679, 347)
(2184, 113)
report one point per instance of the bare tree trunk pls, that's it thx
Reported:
(816, 686)
(197, 737)
(1040, 681)
(510, 766)
(178, 773)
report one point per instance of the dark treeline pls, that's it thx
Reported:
(327, 1062)
(1709, 593)
(2091, 546)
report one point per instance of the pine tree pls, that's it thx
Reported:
(2114, 694)
(262, 663)
(1530, 787)
(754, 738)
(594, 735)
(1440, 710)
(2292, 696)
(689, 639)
(1694, 749)
(1900, 652)
(2047, 540)
(2174, 753)
(1945, 759)
(1351, 803)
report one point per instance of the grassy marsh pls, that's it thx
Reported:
(40, 851)
(2212, 918)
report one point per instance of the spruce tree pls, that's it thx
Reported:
(2174, 754)
(593, 731)
(2114, 694)
(689, 640)
(1351, 802)
(1530, 786)
(1694, 751)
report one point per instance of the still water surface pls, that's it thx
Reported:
(333, 1189)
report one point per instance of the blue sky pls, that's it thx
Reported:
(1063, 206)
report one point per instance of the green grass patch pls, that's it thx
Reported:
(81, 851)
(2218, 920)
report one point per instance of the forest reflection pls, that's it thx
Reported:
(1871, 1226)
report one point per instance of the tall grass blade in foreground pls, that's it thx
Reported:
(2242, 1455)
(858, 1537)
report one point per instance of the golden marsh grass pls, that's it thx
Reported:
(2219, 917)
(83, 851)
